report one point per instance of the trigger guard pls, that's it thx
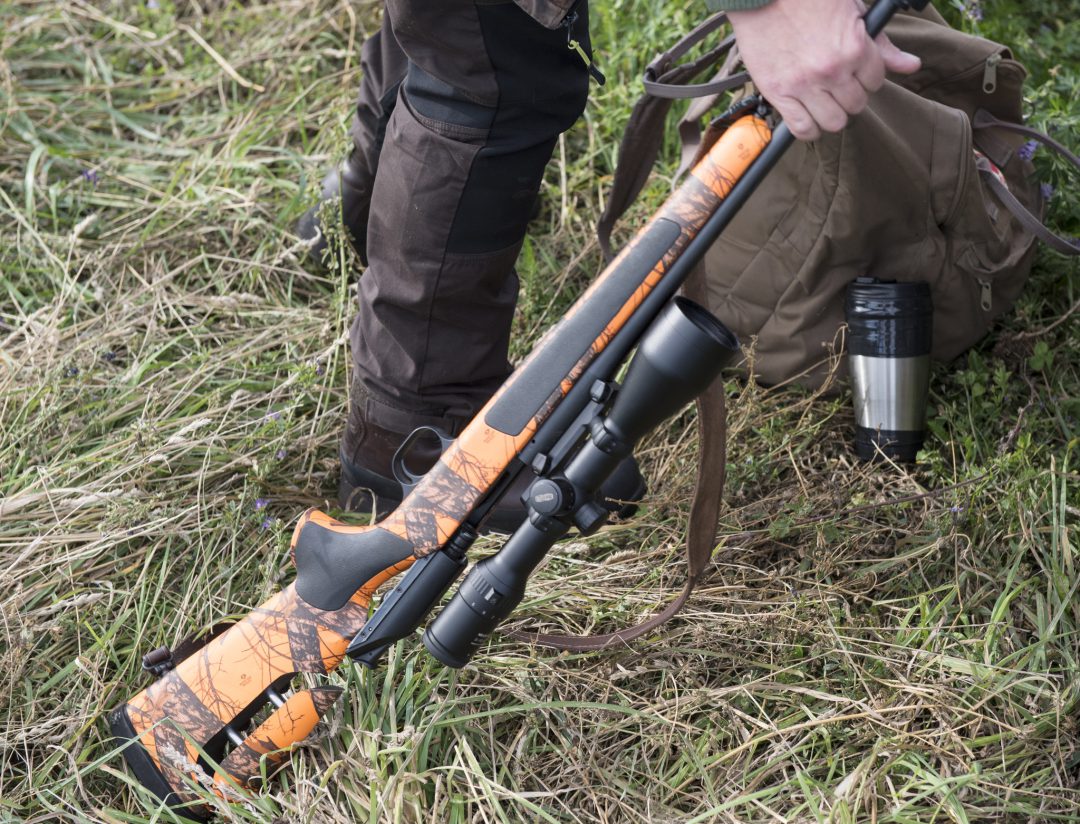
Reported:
(401, 472)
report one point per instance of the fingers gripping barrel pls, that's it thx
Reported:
(206, 702)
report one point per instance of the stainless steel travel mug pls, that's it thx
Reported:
(889, 334)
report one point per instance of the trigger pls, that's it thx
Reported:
(420, 447)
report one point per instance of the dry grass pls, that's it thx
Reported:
(872, 644)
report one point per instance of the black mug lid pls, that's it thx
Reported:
(889, 319)
(867, 297)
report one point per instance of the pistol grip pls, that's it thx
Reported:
(335, 561)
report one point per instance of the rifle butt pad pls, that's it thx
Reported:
(203, 705)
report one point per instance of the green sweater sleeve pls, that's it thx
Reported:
(735, 5)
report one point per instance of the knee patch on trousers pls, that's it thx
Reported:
(437, 101)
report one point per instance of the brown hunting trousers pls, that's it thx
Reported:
(460, 106)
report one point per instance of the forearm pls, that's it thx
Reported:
(735, 5)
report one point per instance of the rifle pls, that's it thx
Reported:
(561, 415)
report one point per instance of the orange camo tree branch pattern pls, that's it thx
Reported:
(215, 684)
(291, 722)
(286, 635)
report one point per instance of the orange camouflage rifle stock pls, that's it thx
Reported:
(203, 702)
(202, 698)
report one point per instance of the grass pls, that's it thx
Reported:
(874, 644)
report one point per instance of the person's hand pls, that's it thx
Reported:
(814, 62)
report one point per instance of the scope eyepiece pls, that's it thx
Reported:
(490, 592)
(482, 601)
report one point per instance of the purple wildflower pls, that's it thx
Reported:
(153, 5)
(956, 509)
(260, 503)
(71, 371)
(281, 453)
(90, 176)
(1027, 151)
(973, 11)
(273, 416)
(266, 524)
(1047, 191)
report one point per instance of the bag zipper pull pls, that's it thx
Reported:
(574, 45)
(986, 294)
(990, 73)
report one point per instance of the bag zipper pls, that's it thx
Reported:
(990, 72)
(571, 43)
(966, 162)
(990, 67)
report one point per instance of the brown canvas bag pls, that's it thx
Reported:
(928, 184)
(901, 194)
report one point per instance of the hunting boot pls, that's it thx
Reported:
(346, 194)
(367, 483)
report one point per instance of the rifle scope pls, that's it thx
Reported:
(681, 354)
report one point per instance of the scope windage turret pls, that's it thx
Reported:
(681, 354)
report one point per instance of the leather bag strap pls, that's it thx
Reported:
(1066, 246)
(704, 512)
(665, 81)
